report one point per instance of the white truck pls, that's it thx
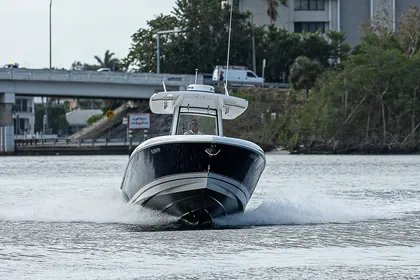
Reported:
(237, 76)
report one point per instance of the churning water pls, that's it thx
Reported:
(311, 217)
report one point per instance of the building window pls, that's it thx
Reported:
(24, 107)
(310, 5)
(17, 106)
(309, 27)
(20, 126)
(235, 4)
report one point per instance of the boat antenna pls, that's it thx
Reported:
(228, 52)
(196, 74)
(164, 86)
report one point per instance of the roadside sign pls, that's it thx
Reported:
(109, 114)
(125, 121)
(139, 121)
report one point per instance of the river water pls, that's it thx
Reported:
(311, 217)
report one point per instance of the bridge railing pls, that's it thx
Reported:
(97, 77)
(66, 142)
(236, 84)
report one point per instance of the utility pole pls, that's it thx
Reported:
(45, 119)
(254, 60)
(158, 53)
(263, 70)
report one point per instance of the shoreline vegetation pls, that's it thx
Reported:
(368, 104)
(341, 100)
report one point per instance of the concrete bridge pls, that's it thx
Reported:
(93, 84)
(80, 84)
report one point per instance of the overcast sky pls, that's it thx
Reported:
(80, 29)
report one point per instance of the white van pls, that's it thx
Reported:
(104, 70)
(238, 76)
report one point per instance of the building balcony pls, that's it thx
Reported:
(23, 115)
(311, 16)
(18, 110)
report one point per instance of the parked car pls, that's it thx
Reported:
(104, 70)
(11, 65)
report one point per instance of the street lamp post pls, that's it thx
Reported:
(45, 118)
(254, 60)
(50, 37)
(158, 52)
(263, 69)
(158, 44)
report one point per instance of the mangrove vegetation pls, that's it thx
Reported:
(369, 103)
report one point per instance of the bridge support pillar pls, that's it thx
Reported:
(7, 134)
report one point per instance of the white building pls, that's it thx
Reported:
(24, 117)
(338, 15)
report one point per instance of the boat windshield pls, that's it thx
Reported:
(196, 120)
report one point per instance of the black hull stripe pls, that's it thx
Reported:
(154, 184)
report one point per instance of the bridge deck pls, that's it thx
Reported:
(96, 77)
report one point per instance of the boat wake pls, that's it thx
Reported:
(308, 209)
(93, 207)
(109, 207)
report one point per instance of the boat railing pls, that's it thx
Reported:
(61, 142)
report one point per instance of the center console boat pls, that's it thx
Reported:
(195, 176)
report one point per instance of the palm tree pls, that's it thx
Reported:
(304, 72)
(272, 8)
(115, 65)
(108, 61)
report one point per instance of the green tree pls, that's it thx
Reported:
(281, 48)
(57, 119)
(142, 53)
(108, 61)
(77, 65)
(94, 118)
(339, 49)
(409, 31)
(371, 101)
(56, 116)
(202, 44)
(39, 115)
(304, 72)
